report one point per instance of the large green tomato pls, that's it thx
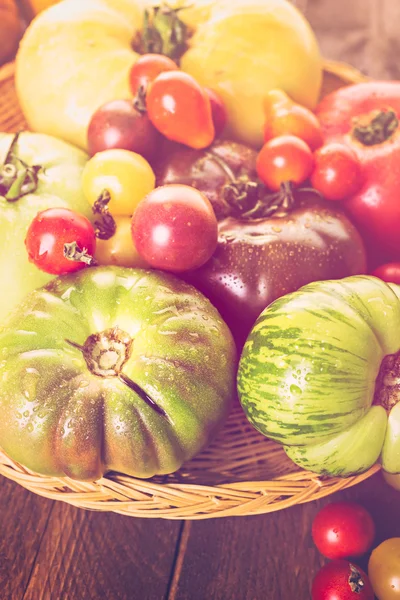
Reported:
(57, 183)
(320, 373)
(113, 369)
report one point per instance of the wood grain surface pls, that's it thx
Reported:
(52, 551)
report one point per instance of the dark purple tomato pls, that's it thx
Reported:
(268, 245)
(118, 124)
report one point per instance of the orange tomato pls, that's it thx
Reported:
(285, 117)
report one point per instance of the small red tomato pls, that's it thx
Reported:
(218, 111)
(341, 580)
(337, 172)
(56, 233)
(389, 272)
(284, 159)
(147, 68)
(118, 125)
(175, 228)
(343, 530)
(181, 110)
(285, 117)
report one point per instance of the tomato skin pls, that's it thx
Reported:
(175, 228)
(181, 110)
(127, 176)
(384, 570)
(343, 530)
(47, 234)
(375, 208)
(390, 272)
(147, 68)
(284, 159)
(117, 124)
(337, 172)
(285, 117)
(218, 112)
(119, 249)
(332, 583)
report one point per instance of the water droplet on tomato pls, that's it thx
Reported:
(295, 390)
(29, 427)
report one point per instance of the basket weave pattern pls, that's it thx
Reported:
(241, 473)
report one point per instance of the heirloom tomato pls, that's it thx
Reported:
(365, 117)
(119, 249)
(320, 372)
(285, 117)
(126, 177)
(341, 580)
(118, 124)
(267, 245)
(60, 240)
(175, 228)
(113, 369)
(36, 172)
(343, 530)
(77, 56)
(384, 570)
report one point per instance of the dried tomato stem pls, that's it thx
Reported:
(380, 127)
(163, 32)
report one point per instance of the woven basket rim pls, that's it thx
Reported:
(181, 500)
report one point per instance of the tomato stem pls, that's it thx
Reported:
(106, 227)
(356, 582)
(387, 387)
(379, 127)
(163, 32)
(73, 252)
(139, 101)
(17, 179)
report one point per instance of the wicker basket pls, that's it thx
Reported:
(241, 473)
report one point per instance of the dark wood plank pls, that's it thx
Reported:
(88, 555)
(23, 520)
(272, 556)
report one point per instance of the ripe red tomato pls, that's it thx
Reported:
(343, 530)
(118, 125)
(365, 117)
(337, 172)
(341, 580)
(285, 117)
(175, 228)
(56, 233)
(147, 68)
(389, 272)
(284, 159)
(218, 112)
(181, 110)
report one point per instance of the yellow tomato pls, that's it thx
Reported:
(119, 249)
(125, 175)
(76, 56)
(36, 6)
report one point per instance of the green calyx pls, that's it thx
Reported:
(17, 179)
(163, 32)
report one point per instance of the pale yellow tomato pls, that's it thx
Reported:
(119, 249)
(125, 175)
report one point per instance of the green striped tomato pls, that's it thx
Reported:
(320, 374)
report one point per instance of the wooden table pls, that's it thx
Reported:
(52, 551)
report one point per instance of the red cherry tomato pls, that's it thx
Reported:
(181, 110)
(118, 125)
(218, 112)
(389, 272)
(284, 159)
(175, 228)
(285, 117)
(337, 172)
(341, 580)
(147, 68)
(343, 530)
(47, 235)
